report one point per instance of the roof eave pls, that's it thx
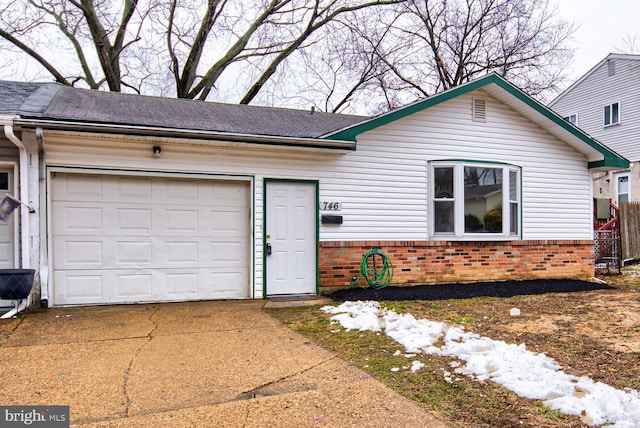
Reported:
(144, 131)
(607, 164)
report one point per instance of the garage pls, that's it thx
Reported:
(139, 238)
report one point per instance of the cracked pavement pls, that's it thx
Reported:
(216, 363)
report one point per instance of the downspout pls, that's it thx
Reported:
(24, 214)
(24, 195)
(44, 246)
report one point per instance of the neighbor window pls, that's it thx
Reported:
(612, 114)
(473, 199)
(572, 119)
(4, 181)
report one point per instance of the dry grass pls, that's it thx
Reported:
(594, 333)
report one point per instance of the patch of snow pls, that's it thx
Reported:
(528, 374)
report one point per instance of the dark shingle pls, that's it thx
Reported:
(19, 97)
(81, 105)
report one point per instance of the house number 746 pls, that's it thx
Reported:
(330, 206)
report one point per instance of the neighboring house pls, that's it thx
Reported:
(605, 103)
(145, 199)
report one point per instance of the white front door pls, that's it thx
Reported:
(291, 238)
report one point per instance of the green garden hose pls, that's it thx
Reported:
(376, 268)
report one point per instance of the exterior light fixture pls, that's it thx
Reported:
(156, 151)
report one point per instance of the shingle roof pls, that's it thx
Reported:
(29, 98)
(62, 103)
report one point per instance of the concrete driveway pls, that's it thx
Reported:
(199, 364)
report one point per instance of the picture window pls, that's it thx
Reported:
(473, 199)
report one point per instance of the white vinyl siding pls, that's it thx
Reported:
(383, 186)
(588, 97)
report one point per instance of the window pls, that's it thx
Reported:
(622, 188)
(611, 114)
(572, 119)
(475, 200)
(4, 181)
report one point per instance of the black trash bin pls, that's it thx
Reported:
(16, 284)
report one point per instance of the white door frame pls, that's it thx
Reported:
(265, 237)
(617, 189)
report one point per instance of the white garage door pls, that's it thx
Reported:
(124, 239)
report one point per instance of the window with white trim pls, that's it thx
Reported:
(572, 119)
(471, 199)
(611, 114)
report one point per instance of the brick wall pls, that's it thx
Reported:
(432, 262)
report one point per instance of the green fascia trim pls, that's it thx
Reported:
(616, 162)
(350, 134)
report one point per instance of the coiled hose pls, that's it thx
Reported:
(376, 268)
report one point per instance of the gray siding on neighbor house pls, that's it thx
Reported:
(588, 96)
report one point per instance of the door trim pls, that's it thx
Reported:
(265, 183)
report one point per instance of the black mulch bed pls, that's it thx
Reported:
(465, 291)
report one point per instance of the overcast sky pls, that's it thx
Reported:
(603, 27)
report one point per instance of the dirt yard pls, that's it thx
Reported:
(590, 330)
(591, 333)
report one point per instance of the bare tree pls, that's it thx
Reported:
(630, 44)
(427, 46)
(96, 33)
(205, 42)
(448, 42)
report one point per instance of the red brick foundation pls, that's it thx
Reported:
(433, 262)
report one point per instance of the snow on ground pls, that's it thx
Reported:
(528, 374)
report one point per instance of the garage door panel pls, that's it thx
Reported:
(135, 189)
(115, 253)
(134, 219)
(87, 188)
(180, 252)
(78, 253)
(185, 191)
(135, 252)
(229, 252)
(182, 220)
(136, 286)
(233, 284)
(182, 285)
(149, 239)
(85, 287)
(81, 219)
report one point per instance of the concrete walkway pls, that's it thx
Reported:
(199, 364)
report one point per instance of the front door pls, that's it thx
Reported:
(290, 238)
